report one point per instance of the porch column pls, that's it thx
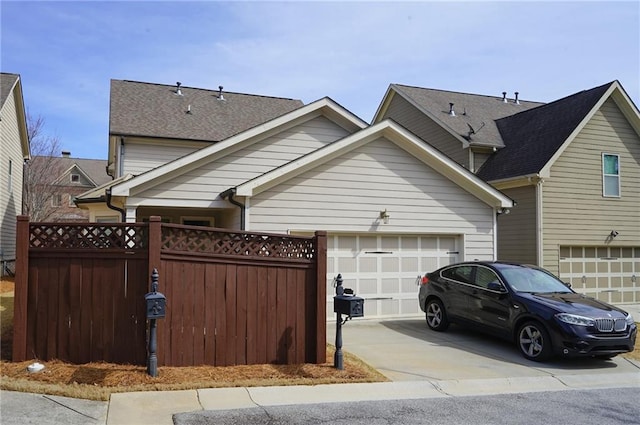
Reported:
(131, 214)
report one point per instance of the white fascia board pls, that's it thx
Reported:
(546, 170)
(384, 104)
(195, 159)
(175, 203)
(396, 134)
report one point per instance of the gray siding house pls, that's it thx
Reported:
(572, 166)
(393, 206)
(14, 150)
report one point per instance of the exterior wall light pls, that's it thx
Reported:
(384, 216)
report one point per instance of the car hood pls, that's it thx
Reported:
(576, 304)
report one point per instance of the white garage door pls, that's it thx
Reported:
(384, 269)
(610, 274)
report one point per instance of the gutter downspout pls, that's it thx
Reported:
(123, 213)
(229, 194)
(539, 223)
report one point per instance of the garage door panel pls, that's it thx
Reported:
(609, 274)
(383, 268)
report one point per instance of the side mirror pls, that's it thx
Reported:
(496, 286)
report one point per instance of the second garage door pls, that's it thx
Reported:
(383, 269)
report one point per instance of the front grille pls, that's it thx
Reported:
(611, 325)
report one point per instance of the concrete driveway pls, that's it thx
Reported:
(406, 350)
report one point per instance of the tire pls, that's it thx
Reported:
(534, 342)
(436, 315)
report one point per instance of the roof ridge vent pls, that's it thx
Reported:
(504, 96)
(452, 113)
(516, 101)
(220, 96)
(178, 90)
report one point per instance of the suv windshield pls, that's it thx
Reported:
(524, 279)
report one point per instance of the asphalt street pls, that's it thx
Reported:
(613, 406)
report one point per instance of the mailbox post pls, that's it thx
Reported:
(156, 309)
(344, 302)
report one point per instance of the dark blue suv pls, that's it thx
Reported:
(528, 305)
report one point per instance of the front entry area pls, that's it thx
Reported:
(384, 269)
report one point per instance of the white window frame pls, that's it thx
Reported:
(77, 178)
(604, 176)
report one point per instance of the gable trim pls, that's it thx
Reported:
(394, 133)
(324, 106)
(623, 101)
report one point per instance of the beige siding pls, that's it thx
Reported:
(575, 212)
(347, 194)
(479, 158)
(206, 182)
(405, 114)
(141, 157)
(10, 191)
(517, 230)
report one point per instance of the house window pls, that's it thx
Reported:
(56, 200)
(72, 200)
(197, 221)
(75, 178)
(610, 175)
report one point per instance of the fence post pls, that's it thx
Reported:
(321, 296)
(155, 244)
(21, 290)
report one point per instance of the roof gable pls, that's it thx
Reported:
(157, 110)
(325, 107)
(473, 121)
(395, 133)
(535, 138)
(11, 83)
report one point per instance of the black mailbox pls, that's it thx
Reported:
(349, 305)
(156, 305)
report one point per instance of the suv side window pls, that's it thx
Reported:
(485, 276)
(459, 273)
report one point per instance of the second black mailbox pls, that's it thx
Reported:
(349, 305)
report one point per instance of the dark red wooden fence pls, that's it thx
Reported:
(232, 297)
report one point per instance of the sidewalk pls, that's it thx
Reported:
(159, 407)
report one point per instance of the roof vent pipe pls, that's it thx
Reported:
(517, 102)
(451, 111)
(504, 96)
(220, 96)
(178, 90)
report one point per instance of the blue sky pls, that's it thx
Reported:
(67, 52)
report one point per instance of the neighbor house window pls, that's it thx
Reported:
(75, 178)
(56, 200)
(610, 175)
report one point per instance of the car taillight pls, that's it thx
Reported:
(424, 280)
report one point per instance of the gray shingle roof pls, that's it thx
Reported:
(532, 137)
(470, 109)
(156, 110)
(7, 81)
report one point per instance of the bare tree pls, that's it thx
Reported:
(41, 171)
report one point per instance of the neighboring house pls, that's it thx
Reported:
(393, 206)
(67, 178)
(14, 150)
(572, 166)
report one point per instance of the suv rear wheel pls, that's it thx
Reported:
(436, 315)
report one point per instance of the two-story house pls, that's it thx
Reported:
(58, 180)
(392, 206)
(572, 166)
(14, 151)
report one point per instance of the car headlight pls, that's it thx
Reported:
(629, 319)
(574, 319)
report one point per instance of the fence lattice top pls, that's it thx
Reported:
(88, 236)
(245, 244)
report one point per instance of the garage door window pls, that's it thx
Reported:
(610, 175)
